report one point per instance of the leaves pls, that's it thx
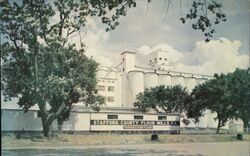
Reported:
(239, 84)
(168, 99)
(204, 15)
(38, 66)
(227, 95)
(116, 9)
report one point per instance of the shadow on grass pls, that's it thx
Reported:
(34, 137)
(29, 136)
(95, 151)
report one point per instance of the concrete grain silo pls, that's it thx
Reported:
(226, 126)
(136, 84)
(128, 64)
(190, 83)
(203, 121)
(150, 79)
(212, 123)
(200, 80)
(177, 80)
(164, 79)
(118, 89)
(191, 122)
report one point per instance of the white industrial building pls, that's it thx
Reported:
(120, 85)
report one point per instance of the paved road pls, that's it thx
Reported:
(185, 149)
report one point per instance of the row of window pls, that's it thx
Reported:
(160, 59)
(109, 81)
(137, 117)
(102, 88)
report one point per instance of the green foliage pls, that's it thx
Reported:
(169, 99)
(239, 84)
(227, 95)
(56, 19)
(205, 14)
(38, 66)
(65, 75)
(214, 95)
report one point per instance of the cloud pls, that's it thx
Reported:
(94, 37)
(216, 56)
(173, 54)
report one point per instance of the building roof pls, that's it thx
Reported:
(127, 52)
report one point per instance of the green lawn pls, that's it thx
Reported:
(112, 139)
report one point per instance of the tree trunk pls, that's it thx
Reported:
(48, 131)
(60, 123)
(218, 127)
(47, 126)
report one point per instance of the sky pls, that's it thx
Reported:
(147, 28)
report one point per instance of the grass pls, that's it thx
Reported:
(111, 139)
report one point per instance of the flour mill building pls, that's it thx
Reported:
(120, 85)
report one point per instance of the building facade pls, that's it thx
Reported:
(120, 85)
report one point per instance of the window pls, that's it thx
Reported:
(100, 88)
(160, 58)
(150, 61)
(155, 59)
(111, 99)
(162, 118)
(112, 116)
(138, 117)
(111, 88)
(166, 59)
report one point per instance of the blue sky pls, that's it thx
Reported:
(145, 30)
(147, 27)
(151, 27)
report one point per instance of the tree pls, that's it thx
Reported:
(215, 95)
(169, 99)
(66, 76)
(39, 66)
(91, 99)
(33, 28)
(239, 85)
(205, 14)
(227, 95)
